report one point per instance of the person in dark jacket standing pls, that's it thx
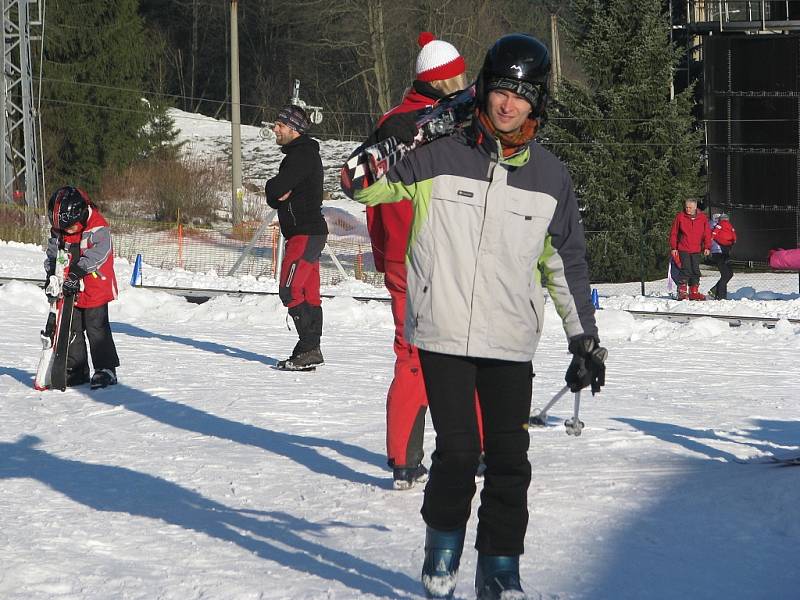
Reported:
(296, 193)
(689, 237)
(723, 237)
(493, 210)
(79, 228)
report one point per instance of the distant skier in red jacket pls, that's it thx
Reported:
(440, 71)
(723, 237)
(689, 238)
(78, 224)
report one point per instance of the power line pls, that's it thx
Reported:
(193, 99)
(196, 99)
(544, 141)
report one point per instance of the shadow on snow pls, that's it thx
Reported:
(270, 535)
(720, 529)
(301, 449)
(205, 346)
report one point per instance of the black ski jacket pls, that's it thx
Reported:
(301, 174)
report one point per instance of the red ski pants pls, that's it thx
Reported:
(300, 270)
(406, 401)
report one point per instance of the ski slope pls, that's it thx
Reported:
(207, 474)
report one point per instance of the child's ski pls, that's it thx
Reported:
(58, 372)
(50, 331)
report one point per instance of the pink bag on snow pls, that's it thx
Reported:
(785, 259)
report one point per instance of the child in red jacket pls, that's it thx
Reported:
(690, 236)
(723, 237)
(79, 228)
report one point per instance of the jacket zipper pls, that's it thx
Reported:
(493, 162)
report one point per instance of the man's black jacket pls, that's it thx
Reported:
(301, 174)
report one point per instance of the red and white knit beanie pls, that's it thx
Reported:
(437, 59)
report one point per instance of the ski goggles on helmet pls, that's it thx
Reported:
(532, 92)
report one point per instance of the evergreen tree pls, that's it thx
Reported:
(634, 153)
(159, 136)
(96, 62)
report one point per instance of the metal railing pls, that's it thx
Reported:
(743, 15)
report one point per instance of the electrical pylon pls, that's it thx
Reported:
(21, 168)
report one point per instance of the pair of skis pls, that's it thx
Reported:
(52, 370)
(371, 163)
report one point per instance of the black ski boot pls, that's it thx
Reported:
(497, 578)
(405, 477)
(442, 558)
(306, 355)
(303, 361)
(77, 376)
(103, 378)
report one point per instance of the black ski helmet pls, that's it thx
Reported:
(519, 63)
(67, 206)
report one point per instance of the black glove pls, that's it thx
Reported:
(402, 126)
(588, 364)
(72, 282)
(71, 285)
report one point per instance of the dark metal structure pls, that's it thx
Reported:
(745, 54)
(21, 21)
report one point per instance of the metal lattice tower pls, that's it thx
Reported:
(20, 172)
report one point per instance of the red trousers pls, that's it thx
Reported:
(300, 270)
(406, 401)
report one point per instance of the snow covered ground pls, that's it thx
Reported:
(208, 474)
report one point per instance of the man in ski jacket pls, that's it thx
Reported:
(723, 237)
(689, 237)
(440, 70)
(491, 209)
(296, 193)
(80, 229)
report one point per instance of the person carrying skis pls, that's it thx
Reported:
(490, 209)
(296, 193)
(439, 71)
(723, 237)
(689, 237)
(78, 227)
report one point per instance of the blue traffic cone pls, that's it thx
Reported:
(136, 276)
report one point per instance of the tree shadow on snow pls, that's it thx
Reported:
(304, 450)
(716, 529)
(271, 535)
(205, 346)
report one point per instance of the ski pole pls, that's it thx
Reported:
(539, 417)
(575, 425)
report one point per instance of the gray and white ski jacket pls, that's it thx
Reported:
(484, 231)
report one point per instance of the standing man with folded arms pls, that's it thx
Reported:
(296, 193)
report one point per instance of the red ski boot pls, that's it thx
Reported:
(694, 293)
(683, 294)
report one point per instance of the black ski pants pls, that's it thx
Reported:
(723, 262)
(504, 390)
(91, 323)
(690, 268)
